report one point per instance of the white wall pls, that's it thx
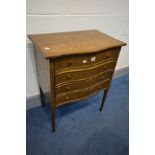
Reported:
(43, 16)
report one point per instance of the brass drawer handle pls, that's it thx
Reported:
(68, 88)
(69, 63)
(105, 67)
(102, 77)
(69, 77)
(107, 56)
(67, 98)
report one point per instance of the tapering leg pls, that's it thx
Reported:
(53, 118)
(52, 94)
(42, 97)
(103, 99)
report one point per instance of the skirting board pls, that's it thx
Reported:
(34, 101)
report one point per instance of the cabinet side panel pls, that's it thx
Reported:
(118, 49)
(43, 74)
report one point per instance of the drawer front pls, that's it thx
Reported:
(82, 84)
(85, 60)
(78, 74)
(80, 94)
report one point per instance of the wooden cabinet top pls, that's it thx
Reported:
(54, 45)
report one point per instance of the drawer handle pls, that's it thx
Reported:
(69, 63)
(68, 88)
(69, 77)
(67, 98)
(105, 67)
(107, 56)
(102, 77)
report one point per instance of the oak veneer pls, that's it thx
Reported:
(74, 65)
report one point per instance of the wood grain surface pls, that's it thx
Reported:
(70, 62)
(83, 83)
(79, 74)
(54, 45)
(81, 94)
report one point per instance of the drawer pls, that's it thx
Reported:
(85, 60)
(78, 74)
(82, 84)
(81, 94)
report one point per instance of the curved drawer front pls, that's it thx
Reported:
(81, 94)
(78, 74)
(85, 60)
(82, 84)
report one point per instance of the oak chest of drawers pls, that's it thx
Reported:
(74, 65)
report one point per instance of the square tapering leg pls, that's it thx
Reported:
(53, 119)
(52, 94)
(103, 99)
(41, 97)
